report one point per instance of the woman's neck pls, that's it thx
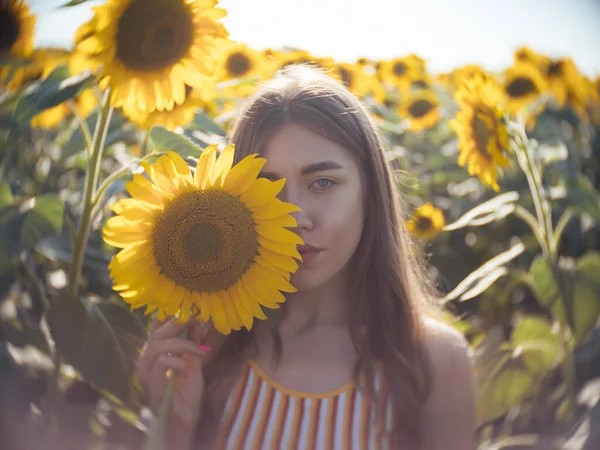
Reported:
(325, 306)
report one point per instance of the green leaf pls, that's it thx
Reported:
(74, 3)
(118, 130)
(163, 140)
(586, 295)
(6, 197)
(489, 211)
(52, 91)
(506, 387)
(202, 122)
(537, 344)
(23, 225)
(484, 276)
(552, 288)
(582, 197)
(101, 340)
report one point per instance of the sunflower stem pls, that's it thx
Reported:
(535, 226)
(157, 438)
(83, 126)
(534, 180)
(91, 180)
(145, 144)
(109, 180)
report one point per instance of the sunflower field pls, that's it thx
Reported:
(501, 171)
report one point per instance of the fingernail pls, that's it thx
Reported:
(204, 348)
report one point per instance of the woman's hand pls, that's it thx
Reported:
(165, 351)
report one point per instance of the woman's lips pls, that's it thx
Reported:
(308, 253)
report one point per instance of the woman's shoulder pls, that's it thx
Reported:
(450, 408)
(443, 342)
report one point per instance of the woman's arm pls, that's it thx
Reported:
(449, 420)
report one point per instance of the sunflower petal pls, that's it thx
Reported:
(273, 268)
(243, 174)
(273, 279)
(205, 165)
(274, 209)
(219, 317)
(182, 168)
(245, 316)
(279, 247)
(223, 165)
(278, 234)
(284, 262)
(262, 191)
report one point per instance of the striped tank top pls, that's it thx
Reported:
(260, 414)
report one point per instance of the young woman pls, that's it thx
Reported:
(355, 358)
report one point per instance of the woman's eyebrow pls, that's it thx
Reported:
(318, 167)
(311, 168)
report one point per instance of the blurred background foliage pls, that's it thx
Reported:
(516, 256)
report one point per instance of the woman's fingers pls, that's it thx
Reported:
(174, 346)
(166, 362)
(198, 331)
(168, 329)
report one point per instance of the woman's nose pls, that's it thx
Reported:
(303, 219)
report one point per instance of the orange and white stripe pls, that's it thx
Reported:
(262, 415)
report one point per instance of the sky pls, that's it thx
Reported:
(447, 33)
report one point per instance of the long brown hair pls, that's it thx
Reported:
(387, 315)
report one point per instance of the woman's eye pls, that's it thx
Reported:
(323, 183)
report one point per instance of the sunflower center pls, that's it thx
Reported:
(345, 75)
(555, 69)
(520, 87)
(399, 69)
(420, 108)
(238, 64)
(9, 30)
(481, 134)
(205, 240)
(420, 84)
(154, 34)
(424, 223)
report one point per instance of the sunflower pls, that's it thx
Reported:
(522, 85)
(358, 81)
(151, 49)
(481, 129)
(179, 116)
(83, 57)
(212, 244)
(17, 26)
(564, 81)
(426, 222)
(421, 109)
(241, 62)
(401, 71)
(527, 55)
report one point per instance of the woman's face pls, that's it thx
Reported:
(324, 180)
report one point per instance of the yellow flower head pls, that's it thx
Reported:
(525, 55)
(564, 81)
(359, 81)
(481, 129)
(212, 244)
(17, 27)
(401, 71)
(242, 62)
(421, 109)
(522, 85)
(151, 49)
(426, 222)
(179, 116)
